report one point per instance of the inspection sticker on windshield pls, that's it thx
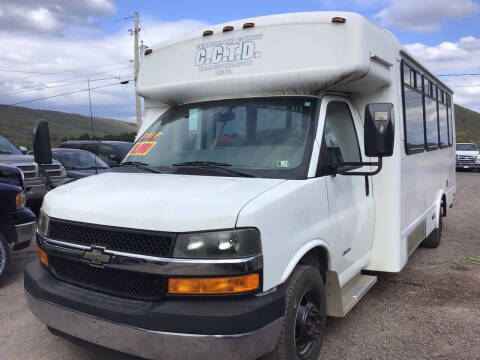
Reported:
(142, 148)
(283, 163)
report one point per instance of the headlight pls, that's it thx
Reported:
(63, 172)
(20, 200)
(228, 244)
(43, 222)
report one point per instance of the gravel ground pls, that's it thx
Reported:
(431, 313)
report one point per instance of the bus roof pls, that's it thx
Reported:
(287, 54)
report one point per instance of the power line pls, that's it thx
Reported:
(81, 76)
(461, 86)
(472, 74)
(65, 71)
(65, 27)
(146, 34)
(24, 90)
(69, 93)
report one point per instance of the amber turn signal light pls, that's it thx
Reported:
(42, 255)
(148, 51)
(248, 25)
(338, 19)
(213, 286)
(228, 28)
(207, 32)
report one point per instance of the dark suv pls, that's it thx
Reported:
(112, 152)
(35, 187)
(17, 223)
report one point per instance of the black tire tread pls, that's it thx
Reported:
(280, 351)
(4, 244)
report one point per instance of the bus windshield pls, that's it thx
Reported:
(265, 137)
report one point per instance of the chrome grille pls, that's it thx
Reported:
(30, 171)
(466, 159)
(53, 170)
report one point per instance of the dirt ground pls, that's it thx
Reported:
(419, 313)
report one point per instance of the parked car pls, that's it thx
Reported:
(112, 152)
(79, 163)
(35, 187)
(17, 223)
(468, 156)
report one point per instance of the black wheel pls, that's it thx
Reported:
(305, 317)
(4, 257)
(433, 240)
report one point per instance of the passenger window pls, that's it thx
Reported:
(431, 122)
(449, 116)
(443, 123)
(340, 136)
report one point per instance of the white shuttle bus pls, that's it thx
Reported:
(280, 158)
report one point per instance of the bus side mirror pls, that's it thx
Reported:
(42, 150)
(379, 130)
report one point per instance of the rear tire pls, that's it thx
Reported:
(433, 240)
(4, 258)
(305, 317)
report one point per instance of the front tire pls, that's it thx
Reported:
(305, 317)
(4, 258)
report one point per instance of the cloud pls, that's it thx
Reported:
(458, 57)
(424, 15)
(55, 65)
(44, 15)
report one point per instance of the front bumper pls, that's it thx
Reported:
(35, 190)
(19, 227)
(24, 233)
(188, 328)
(472, 165)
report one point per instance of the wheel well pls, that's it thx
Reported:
(444, 206)
(317, 258)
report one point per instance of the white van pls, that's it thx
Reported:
(280, 158)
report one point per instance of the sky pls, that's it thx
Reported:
(54, 47)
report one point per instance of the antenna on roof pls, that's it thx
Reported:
(92, 133)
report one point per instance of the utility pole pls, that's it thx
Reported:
(136, 30)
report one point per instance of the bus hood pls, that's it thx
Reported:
(159, 202)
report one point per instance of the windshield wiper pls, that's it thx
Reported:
(5, 152)
(213, 165)
(139, 165)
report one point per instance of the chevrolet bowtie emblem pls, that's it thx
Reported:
(96, 256)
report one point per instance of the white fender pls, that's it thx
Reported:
(438, 204)
(301, 252)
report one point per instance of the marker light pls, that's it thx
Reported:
(42, 256)
(337, 19)
(207, 32)
(213, 286)
(248, 25)
(148, 51)
(228, 28)
(20, 200)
